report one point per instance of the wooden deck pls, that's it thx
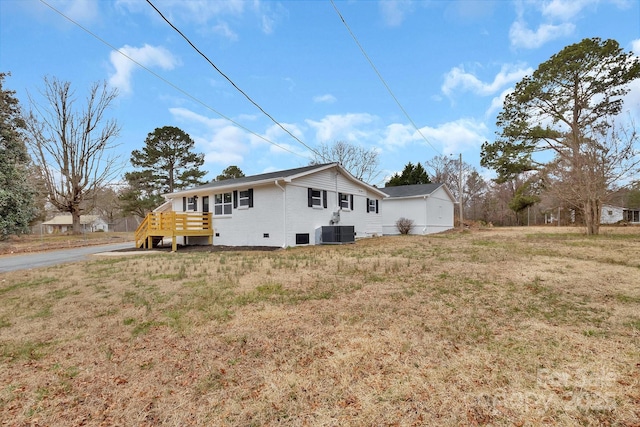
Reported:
(158, 225)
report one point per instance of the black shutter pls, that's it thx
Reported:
(184, 204)
(351, 201)
(251, 197)
(339, 201)
(235, 199)
(367, 205)
(324, 198)
(310, 197)
(376, 206)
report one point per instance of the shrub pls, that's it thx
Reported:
(404, 225)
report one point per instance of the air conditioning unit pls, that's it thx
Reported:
(335, 234)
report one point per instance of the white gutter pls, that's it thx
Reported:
(284, 213)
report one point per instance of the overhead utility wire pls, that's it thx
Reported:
(231, 81)
(168, 82)
(381, 78)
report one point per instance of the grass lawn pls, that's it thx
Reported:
(518, 326)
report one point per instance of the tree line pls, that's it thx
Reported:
(59, 154)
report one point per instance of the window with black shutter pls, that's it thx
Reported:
(316, 198)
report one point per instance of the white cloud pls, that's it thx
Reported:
(78, 10)
(398, 135)
(394, 11)
(189, 11)
(458, 78)
(635, 47)
(221, 142)
(222, 29)
(452, 137)
(497, 103)
(276, 134)
(148, 56)
(565, 10)
(345, 127)
(521, 36)
(326, 98)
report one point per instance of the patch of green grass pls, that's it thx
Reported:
(22, 350)
(138, 300)
(634, 323)
(627, 299)
(143, 328)
(62, 293)
(597, 333)
(28, 284)
(4, 322)
(43, 313)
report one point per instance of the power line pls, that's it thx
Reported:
(231, 81)
(381, 78)
(168, 82)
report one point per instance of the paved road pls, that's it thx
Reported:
(60, 256)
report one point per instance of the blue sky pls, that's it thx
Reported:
(449, 64)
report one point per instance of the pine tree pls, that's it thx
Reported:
(17, 205)
(412, 174)
(165, 164)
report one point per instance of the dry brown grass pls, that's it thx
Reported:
(523, 326)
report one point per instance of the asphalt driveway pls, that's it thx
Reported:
(53, 257)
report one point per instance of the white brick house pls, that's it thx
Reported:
(284, 208)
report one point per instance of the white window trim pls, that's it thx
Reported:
(314, 199)
(348, 200)
(223, 204)
(244, 199)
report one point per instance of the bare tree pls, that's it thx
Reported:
(71, 146)
(594, 171)
(360, 162)
(446, 170)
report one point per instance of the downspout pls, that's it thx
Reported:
(426, 216)
(284, 213)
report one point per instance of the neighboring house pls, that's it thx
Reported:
(284, 208)
(64, 223)
(614, 214)
(429, 206)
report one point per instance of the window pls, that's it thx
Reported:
(372, 205)
(345, 201)
(222, 204)
(243, 199)
(205, 204)
(316, 198)
(191, 203)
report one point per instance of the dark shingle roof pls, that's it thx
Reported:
(411, 190)
(256, 178)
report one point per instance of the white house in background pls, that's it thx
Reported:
(614, 214)
(429, 206)
(64, 223)
(303, 206)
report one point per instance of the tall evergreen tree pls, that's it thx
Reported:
(165, 164)
(411, 174)
(230, 172)
(17, 205)
(567, 107)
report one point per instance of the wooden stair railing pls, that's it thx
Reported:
(157, 225)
